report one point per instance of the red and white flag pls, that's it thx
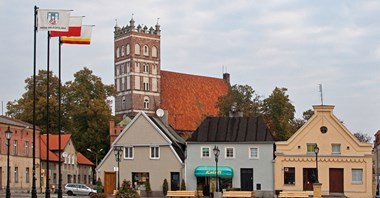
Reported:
(53, 20)
(84, 38)
(74, 28)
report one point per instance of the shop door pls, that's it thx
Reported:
(246, 179)
(336, 180)
(174, 178)
(309, 177)
(109, 182)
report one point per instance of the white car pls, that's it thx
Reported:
(78, 189)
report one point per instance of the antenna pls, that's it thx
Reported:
(320, 90)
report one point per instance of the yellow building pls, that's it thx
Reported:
(344, 163)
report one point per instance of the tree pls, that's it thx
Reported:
(88, 109)
(279, 112)
(363, 137)
(243, 97)
(22, 108)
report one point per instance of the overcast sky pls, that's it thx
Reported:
(264, 44)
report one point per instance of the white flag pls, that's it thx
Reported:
(53, 20)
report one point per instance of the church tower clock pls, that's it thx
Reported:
(137, 69)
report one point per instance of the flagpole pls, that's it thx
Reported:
(59, 121)
(34, 191)
(47, 192)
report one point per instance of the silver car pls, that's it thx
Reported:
(78, 189)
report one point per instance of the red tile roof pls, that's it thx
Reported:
(53, 141)
(83, 160)
(190, 98)
(52, 156)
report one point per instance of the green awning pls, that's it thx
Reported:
(209, 171)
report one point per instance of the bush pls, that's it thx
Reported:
(98, 186)
(165, 187)
(127, 193)
(183, 185)
(98, 195)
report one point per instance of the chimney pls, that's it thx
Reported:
(235, 112)
(226, 78)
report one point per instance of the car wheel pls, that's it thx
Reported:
(69, 193)
(90, 194)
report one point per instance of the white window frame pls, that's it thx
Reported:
(128, 49)
(117, 52)
(15, 147)
(357, 176)
(338, 146)
(250, 153)
(127, 150)
(153, 149)
(26, 148)
(226, 153)
(204, 156)
(146, 102)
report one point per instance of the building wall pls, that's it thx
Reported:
(20, 181)
(141, 134)
(262, 167)
(352, 155)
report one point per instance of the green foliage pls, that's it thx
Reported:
(165, 187)
(183, 185)
(278, 112)
(98, 195)
(85, 108)
(126, 191)
(147, 187)
(98, 186)
(242, 97)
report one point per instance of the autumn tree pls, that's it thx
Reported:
(363, 137)
(22, 108)
(243, 97)
(89, 110)
(278, 111)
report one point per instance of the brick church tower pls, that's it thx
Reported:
(137, 69)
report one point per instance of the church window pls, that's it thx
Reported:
(154, 51)
(122, 67)
(128, 67)
(123, 84)
(137, 49)
(128, 49)
(146, 86)
(117, 52)
(146, 102)
(146, 50)
(137, 67)
(123, 106)
(122, 50)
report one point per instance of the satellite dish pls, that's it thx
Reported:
(64, 154)
(160, 113)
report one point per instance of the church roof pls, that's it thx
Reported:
(232, 129)
(190, 98)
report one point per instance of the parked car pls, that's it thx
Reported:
(78, 189)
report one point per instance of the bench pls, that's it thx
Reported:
(181, 193)
(239, 194)
(295, 194)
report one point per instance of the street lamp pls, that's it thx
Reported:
(96, 159)
(118, 150)
(8, 135)
(216, 154)
(316, 151)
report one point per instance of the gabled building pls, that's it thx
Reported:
(141, 84)
(21, 155)
(151, 151)
(246, 155)
(75, 167)
(343, 164)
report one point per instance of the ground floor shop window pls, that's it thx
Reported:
(207, 184)
(289, 175)
(139, 180)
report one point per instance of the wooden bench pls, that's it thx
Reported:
(181, 193)
(239, 194)
(294, 194)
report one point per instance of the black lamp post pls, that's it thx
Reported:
(8, 135)
(216, 154)
(96, 159)
(118, 152)
(316, 151)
